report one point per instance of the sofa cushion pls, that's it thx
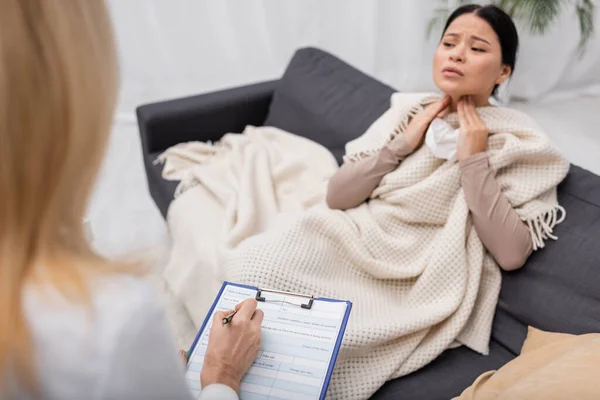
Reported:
(326, 100)
(558, 289)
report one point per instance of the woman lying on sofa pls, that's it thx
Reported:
(477, 53)
(421, 259)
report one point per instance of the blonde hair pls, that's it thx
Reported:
(58, 84)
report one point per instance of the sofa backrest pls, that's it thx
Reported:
(326, 100)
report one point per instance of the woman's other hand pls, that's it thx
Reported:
(415, 132)
(232, 348)
(473, 137)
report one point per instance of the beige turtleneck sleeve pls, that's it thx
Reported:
(498, 225)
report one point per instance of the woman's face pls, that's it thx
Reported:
(468, 60)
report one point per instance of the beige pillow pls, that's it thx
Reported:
(536, 339)
(552, 366)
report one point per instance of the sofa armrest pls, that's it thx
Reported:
(205, 117)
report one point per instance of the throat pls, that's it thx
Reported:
(479, 102)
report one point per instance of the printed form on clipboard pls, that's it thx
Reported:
(301, 337)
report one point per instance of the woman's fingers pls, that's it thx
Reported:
(470, 112)
(444, 106)
(258, 316)
(474, 116)
(246, 309)
(436, 108)
(443, 113)
(462, 117)
(444, 103)
(473, 132)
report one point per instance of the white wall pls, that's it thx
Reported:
(171, 48)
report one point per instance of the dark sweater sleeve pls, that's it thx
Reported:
(498, 225)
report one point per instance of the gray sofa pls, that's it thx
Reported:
(324, 99)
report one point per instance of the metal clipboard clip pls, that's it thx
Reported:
(307, 306)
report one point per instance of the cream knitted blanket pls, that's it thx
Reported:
(409, 259)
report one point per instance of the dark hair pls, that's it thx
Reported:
(501, 23)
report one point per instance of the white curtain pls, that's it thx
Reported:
(171, 48)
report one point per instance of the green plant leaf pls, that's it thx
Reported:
(539, 15)
(585, 10)
(440, 15)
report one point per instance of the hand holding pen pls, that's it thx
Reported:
(232, 345)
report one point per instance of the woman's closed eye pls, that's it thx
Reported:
(478, 49)
(446, 44)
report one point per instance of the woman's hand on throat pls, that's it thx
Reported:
(473, 137)
(416, 129)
